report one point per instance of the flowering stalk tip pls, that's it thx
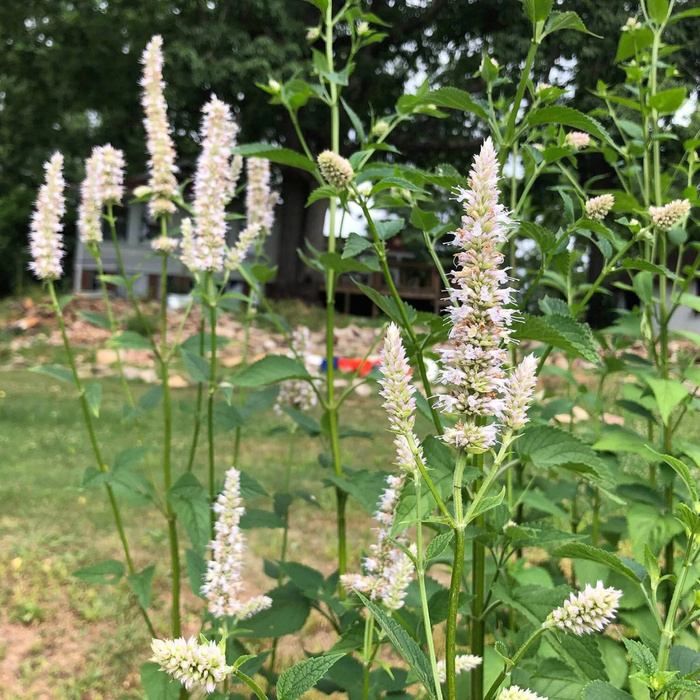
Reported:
(223, 581)
(588, 611)
(103, 184)
(191, 663)
(45, 237)
(475, 365)
(669, 215)
(388, 569)
(597, 208)
(336, 170)
(162, 168)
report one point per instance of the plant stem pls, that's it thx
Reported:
(514, 662)
(406, 322)
(331, 408)
(478, 591)
(113, 329)
(198, 407)
(250, 683)
(455, 580)
(367, 655)
(247, 320)
(285, 537)
(519, 93)
(667, 633)
(420, 573)
(127, 282)
(211, 302)
(167, 446)
(87, 416)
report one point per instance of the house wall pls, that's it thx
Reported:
(135, 234)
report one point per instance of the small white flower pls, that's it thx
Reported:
(669, 215)
(335, 169)
(260, 200)
(516, 693)
(388, 570)
(165, 245)
(597, 208)
(191, 663)
(297, 393)
(463, 662)
(588, 611)
(518, 390)
(578, 140)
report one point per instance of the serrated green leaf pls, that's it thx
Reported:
(547, 447)
(295, 681)
(641, 657)
(107, 572)
(668, 394)
(276, 154)
(65, 375)
(196, 366)
(158, 684)
(93, 396)
(682, 469)
(438, 545)
(190, 502)
(271, 370)
(323, 192)
(567, 116)
(355, 244)
(668, 101)
(566, 20)
(150, 399)
(411, 653)
(141, 585)
(196, 571)
(578, 550)
(563, 332)
(287, 614)
(97, 319)
(130, 340)
(600, 690)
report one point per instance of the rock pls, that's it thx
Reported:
(612, 419)
(177, 382)
(105, 356)
(230, 360)
(364, 390)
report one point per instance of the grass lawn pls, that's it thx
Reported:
(62, 638)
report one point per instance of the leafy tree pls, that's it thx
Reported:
(69, 80)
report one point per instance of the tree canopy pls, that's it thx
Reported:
(69, 76)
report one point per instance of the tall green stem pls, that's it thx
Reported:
(455, 580)
(667, 633)
(112, 326)
(211, 302)
(244, 362)
(198, 405)
(87, 416)
(331, 408)
(406, 322)
(167, 447)
(478, 592)
(420, 573)
(514, 662)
